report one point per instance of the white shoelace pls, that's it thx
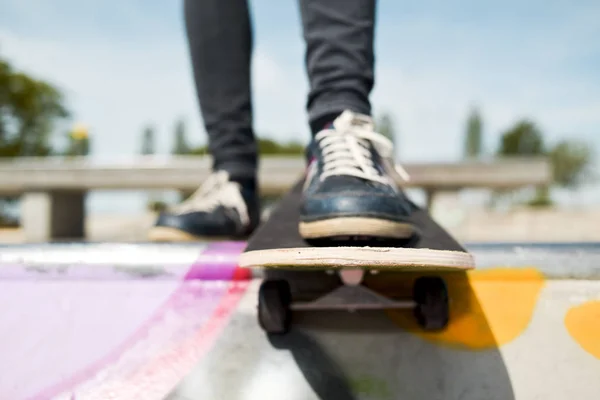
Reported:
(345, 150)
(216, 191)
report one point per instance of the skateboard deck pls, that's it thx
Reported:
(277, 247)
(352, 257)
(277, 244)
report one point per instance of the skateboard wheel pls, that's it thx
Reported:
(431, 297)
(274, 314)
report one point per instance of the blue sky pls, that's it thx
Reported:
(125, 64)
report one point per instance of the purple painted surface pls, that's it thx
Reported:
(217, 262)
(49, 331)
(59, 334)
(90, 272)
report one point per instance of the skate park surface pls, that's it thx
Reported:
(160, 321)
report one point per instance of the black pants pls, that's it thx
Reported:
(339, 61)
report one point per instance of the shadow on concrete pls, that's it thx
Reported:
(322, 373)
(385, 355)
(369, 355)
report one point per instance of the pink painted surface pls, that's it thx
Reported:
(120, 339)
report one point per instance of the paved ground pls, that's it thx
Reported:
(115, 321)
(369, 356)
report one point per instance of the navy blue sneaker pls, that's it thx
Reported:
(219, 209)
(352, 187)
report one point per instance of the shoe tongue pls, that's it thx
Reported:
(349, 119)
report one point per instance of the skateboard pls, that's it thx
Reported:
(330, 274)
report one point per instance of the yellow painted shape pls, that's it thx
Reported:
(488, 308)
(583, 324)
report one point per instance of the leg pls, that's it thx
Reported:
(226, 206)
(220, 42)
(339, 36)
(352, 189)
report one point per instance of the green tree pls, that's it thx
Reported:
(5, 106)
(78, 142)
(148, 140)
(148, 148)
(199, 151)
(571, 163)
(473, 137)
(181, 145)
(76, 146)
(571, 160)
(271, 147)
(385, 125)
(266, 147)
(30, 110)
(523, 139)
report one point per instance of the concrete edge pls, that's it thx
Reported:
(554, 260)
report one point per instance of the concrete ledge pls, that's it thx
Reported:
(56, 214)
(54, 188)
(276, 174)
(554, 260)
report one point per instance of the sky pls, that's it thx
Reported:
(123, 65)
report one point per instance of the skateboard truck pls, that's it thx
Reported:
(429, 301)
(352, 296)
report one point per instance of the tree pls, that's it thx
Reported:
(523, 139)
(272, 147)
(148, 148)
(385, 126)
(571, 160)
(148, 140)
(5, 78)
(78, 141)
(473, 137)
(181, 145)
(30, 110)
(571, 163)
(266, 147)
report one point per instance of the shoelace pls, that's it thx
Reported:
(347, 152)
(216, 191)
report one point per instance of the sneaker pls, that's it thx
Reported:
(352, 186)
(219, 209)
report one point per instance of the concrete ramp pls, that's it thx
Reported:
(125, 321)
